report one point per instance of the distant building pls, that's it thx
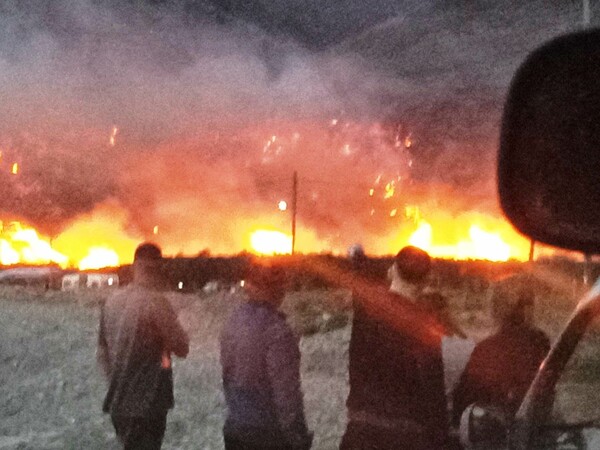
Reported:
(71, 282)
(74, 281)
(45, 277)
(102, 280)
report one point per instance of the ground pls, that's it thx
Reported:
(51, 389)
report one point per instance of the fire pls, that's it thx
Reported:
(113, 135)
(480, 244)
(99, 257)
(271, 242)
(20, 244)
(99, 239)
(93, 241)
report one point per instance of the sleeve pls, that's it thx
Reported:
(175, 338)
(283, 366)
(102, 347)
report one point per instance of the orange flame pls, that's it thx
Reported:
(19, 244)
(479, 244)
(98, 258)
(267, 242)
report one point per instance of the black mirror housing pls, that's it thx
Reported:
(549, 158)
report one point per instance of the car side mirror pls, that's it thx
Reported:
(549, 158)
(483, 427)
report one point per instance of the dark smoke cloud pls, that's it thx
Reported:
(197, 90)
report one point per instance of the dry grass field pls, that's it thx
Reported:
(51, 390)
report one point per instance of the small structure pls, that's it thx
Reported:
(74, 281)
(102, 280)
(71, 282)
(45, 277)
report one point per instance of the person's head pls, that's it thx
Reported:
(412, 264)
(266, 283)
(513, 303)
(147, 264)
(357, 257)
(410, 269)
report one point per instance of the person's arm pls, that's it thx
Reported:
(102, 347)
(174, 337)
(283, 365)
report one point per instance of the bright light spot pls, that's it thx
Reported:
(180, 285)
(393, 212)
(480, 244)
(390, 188)
(155, 229)
(488, 245)
(98, 258)
(111, 281)
(346, 150)
(113, 135)
(271, 242)
(371, 192)
(8, 255)
(15, 168)
(422, 237)
(23, 245)
(334, 122)
(282, 205)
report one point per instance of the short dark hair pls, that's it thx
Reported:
(413, 264)
(147, 251)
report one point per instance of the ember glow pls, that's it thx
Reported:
(144, 123)
(496, 242)
(98, 258)
(21, 244)
(267, 242)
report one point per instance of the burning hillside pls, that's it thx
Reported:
(357, 182)
(122, 124)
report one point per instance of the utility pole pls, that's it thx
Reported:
(294, 201)
(531, 250)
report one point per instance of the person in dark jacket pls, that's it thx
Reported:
(260, 361)
(138, 332)
(396, 398)
(502, 366)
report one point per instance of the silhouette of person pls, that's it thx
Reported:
(260, 359)
(138, 332)
(396, 398)
(503, 365)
